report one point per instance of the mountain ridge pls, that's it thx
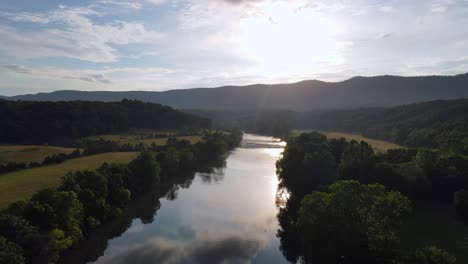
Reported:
(359, 91)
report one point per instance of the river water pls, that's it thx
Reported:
(225, 216)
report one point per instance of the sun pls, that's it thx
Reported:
(287, 40)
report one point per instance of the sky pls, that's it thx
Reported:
(156, 45)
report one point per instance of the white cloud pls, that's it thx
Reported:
(156, 2)
(122, 4)
(70, 33)
(387, 9)
(218, 42)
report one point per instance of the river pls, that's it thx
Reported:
(226, 216)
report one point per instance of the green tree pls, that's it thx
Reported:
(10, 253)
(352, 223)
(169, 162)
(432, 255)
(358, 162)
(461, 204)
(92, 190)
(57, 243)
(145, 173)
(17, 229)
(118, 195)
(67, 208)
(427, 159)
(307, 163)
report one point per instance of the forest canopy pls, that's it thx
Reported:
(59, 122)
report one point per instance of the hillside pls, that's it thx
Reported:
(301, 96)
(441, 123)
(60, 122)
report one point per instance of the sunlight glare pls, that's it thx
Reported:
(287, 40)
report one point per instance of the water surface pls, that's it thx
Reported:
(226, 216)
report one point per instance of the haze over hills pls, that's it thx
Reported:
(300, 96)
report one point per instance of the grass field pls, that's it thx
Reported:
(377, 145)
(135, 139)
(28, 153)
(23, 184)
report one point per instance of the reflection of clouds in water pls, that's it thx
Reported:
(135, 228)
(215, 176)
(186, 232)
(228, 250)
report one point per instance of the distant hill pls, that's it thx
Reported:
(61, 122)
(441, 123)
(301, 96)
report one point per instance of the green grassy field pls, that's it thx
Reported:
(28, 153)
(23, 184)
(377, 145)
(134, 139)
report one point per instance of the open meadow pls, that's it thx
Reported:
(23, 184)
(29, 153)
(377, 145)
(134, 139)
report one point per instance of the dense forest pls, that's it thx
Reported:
(346, 203)
(276, 123)
(53, 220)
(437, 124)
(61, 122)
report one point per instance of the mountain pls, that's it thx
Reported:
(301, 96)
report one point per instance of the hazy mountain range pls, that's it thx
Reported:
(300, 96)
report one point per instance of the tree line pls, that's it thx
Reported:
(60, 123)
(346, 202)
(38, 230)
(439, 124)
(52, 159)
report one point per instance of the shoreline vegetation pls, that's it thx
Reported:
(347, 203)
(23, 184)
(38, 230)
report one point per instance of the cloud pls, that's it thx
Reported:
(237, 2)
(437, 66)
(438, 8)
(18, 69)
(71, 33)
(59, 74)
(387, 9)
(122, 4)
(226, 250)
(384, 35)
(156, 2)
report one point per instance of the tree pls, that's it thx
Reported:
(17, 229)
(432, 255)
(10, 253)
(461, 204)
(68, 211)
(428, 160)
(58, 242)
(145, 173)
(307, 164)
(357, 162)
(38, 214)
(352, 223)
(92, 190)
(169, 162)
(118, 195)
